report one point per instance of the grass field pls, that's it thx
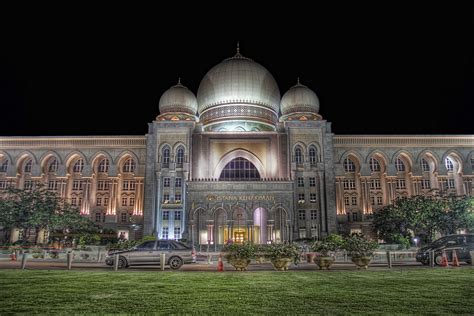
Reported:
(420, 291)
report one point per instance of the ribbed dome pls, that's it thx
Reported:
(177, 99)
(238, 89)
(299, 98)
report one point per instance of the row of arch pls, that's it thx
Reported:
(74, 162)
(404, 161)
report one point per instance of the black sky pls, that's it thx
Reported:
(376, 70)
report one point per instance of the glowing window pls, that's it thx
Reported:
(400, 165)
(28, 165)
(349, 165)
(239, 169)
(312, 155)
(298, 155)
(180, 155)
(374, 165)
(78, 166)
(4, 166)
(424, 165)
(104, 165)
(166, 155)
(129, 165)
(53, 166)
(449, 165)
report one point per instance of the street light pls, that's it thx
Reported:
(416, 241)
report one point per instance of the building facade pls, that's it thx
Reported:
(238, 162)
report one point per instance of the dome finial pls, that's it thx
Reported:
(298, 81)
(179, 81)
(238, 48)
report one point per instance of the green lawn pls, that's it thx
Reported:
(427, 291)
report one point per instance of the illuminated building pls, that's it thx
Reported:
(238, 162)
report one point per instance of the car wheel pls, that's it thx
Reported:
(175, 263)
(122, 263)
(438, 259)
(425, 263)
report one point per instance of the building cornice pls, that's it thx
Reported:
(50, 142)
(404, 140)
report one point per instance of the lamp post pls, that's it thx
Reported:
(416, 242)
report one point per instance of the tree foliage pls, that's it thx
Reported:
(37, 209)
(422, 216)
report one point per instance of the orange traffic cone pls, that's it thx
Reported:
(444, 260)
(193, 253)
(13, 256)
(220, 265)
(455, 259)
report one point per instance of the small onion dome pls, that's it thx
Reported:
(299, 99)
(178, 99)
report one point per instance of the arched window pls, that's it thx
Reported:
(349, 165)
(103, 165)
(4, 165)
(298, 155)
(53, 165)
(28, 166)
(400, 165)
(166, 155)
(425, 165)
(78, 166)
(180, 155)
(449, 165)
(129, 165)
(239, 169)
(374, 165)
(472, 163)
(312, 155)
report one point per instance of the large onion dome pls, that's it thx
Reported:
(238, 95)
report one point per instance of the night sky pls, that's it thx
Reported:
(382, 70)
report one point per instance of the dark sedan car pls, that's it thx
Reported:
(463, 244)
(148, 253)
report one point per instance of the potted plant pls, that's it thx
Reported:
(282, 255)
(54, 254)
(37, 252)
(326, 250)
(239, 255)
(260, 251)
(360, 249)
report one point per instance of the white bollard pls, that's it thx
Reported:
(389, 259)
(162, 261)
(116, 261)
(23, 261)
(69, 260)
(432, 258)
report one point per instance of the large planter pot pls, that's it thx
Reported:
(324, 262)
(361, 262)
(240, 264)
(310, 257)
(281, 264)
